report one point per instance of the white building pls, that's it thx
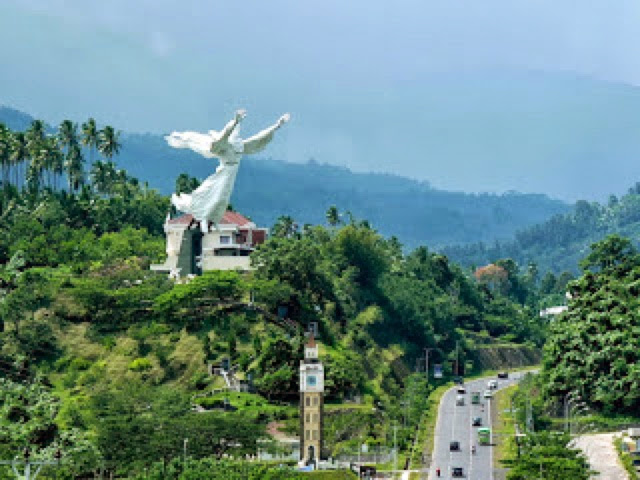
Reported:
(226, 247)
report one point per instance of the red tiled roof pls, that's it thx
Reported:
(234, 218)
(229, 218)
(312, 342)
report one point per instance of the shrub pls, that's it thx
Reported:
(140, 365)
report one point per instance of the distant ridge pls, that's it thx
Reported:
(411, 210)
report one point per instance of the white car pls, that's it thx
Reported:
(488, 394)
(492, 384)
(460, 400)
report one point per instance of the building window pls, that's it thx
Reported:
(308, 401)
(315, 401)
(307, 435)
(315, 417)
(315, 435)
(225, 239)
(308, 417)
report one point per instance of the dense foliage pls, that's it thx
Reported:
(547, 456)
(121, 355)
(558, 244)
(593, 349)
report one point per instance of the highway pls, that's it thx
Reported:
(454, 424)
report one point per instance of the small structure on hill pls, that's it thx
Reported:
(311, 404)
(192, 249)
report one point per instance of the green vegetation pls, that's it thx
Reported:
(593, 349)
(547, 456)
(119, 356)
(558, 244)
(626, 459)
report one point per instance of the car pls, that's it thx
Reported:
(461, 389)
(492, 384)
(454, 446)
(457, 472)
(459, 380)
(476, 422)
(488, 394)
(503, 374)
(460, 400)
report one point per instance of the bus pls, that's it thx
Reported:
(484, 436)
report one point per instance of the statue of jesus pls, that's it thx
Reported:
(209, 201)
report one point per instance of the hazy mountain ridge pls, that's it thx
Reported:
(411, 210)
(559, 243)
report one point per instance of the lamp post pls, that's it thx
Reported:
(567, 408)
(184, 450)
(427, 352)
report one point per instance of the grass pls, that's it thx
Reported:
(625, 459)
(504, 447)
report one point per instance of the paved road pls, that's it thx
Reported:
(454, 424)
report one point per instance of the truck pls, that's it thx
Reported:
(475, 398)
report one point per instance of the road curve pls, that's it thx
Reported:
(454, 424)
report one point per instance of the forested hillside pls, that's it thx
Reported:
(558, 244)
(267, 188)
(100, 358)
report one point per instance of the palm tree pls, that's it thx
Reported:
(74, 165)
(68, 138)
(108, 142)
(5, 134)
(19, 154)
(333, 217)
(103, 176)
(90, 138)
(36, 132)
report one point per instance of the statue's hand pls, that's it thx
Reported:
(240, 114)
(284, 119)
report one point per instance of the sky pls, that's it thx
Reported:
(361, 78)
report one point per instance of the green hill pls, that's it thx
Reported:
(109, 362)
(559, 243)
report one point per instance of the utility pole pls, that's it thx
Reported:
(395, 450)
(184, 450)
(427, 351)
(457, 361)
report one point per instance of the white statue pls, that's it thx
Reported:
(209, 201)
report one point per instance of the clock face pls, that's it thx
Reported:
(312, 381)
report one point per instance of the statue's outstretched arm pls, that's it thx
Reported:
(231, 124)
(261, 139)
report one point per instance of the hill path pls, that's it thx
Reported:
(602, 456)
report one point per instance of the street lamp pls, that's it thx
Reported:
(184, 449)
(567, 408)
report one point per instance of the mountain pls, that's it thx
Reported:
(265, 189)
(559, 244)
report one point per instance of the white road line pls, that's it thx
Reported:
(470, 427)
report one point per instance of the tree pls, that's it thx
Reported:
(19, 154)
(333, 216)
(75, 168)
(90, 137)
(611, 252)
(108, 142)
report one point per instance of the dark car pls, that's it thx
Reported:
(477, 421)
(457, 472)
(458, 380)
(454, 446)
(503, 375)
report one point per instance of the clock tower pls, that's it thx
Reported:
(311, 404)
